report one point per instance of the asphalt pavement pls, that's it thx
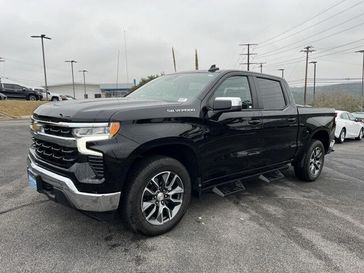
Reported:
(284, 226)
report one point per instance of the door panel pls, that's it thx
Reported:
(233, 144)
(233, 140)
(280, 121)
(280, 130)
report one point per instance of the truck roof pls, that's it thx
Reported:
(224, 71)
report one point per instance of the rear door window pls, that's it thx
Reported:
(270, 93)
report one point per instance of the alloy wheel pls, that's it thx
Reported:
(162, 198)
(316, 161)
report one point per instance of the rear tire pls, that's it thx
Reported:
(157, 196)
(361, 133)
(342, 136)
(310, 166)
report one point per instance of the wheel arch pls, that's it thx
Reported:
(324, 137)
(181, 150)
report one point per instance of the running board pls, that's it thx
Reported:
(229, 188)
(271, 176)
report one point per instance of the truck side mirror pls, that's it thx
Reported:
(227, 104)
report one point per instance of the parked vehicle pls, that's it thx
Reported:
(3, 96)
(347, 126)
(193, 131)
(359, 116)
(15, 91)
(52, 96)
(67, 97)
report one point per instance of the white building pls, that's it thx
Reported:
(92, 90)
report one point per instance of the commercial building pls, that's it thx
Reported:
(92, 90)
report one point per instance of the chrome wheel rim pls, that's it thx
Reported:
(316, 161)
(162, 198)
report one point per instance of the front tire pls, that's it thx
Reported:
(32, 97)
(54, 99)
(157, 196)
(342, 136)
(310, 166)
(361, 133)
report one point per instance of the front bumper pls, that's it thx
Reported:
(79, 200)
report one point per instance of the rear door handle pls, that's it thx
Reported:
(255, 122)
(291, 120)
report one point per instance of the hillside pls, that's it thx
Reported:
(352, 89)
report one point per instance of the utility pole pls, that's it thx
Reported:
(282, 72)
(261, 67)
(174, 60)
(73, 76)
(362, 81)
(307, 49)
(42, 37)
(314, 80)
(196, 60)
(1, 61)
(84, 81)
(248, 54)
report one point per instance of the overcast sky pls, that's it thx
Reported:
(91, 32)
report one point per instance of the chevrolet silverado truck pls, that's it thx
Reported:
(145, 154)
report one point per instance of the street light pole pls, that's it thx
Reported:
(84, 81)
(362, 81)
(42, 37)
(282, 71)
(314, 80)
(73, 76)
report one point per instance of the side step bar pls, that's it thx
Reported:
(228, 189)
(271, 176)
(236, 186)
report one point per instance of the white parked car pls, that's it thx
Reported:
(347, 127)
(53, 96)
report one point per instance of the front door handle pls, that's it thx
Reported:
(255, 122)
(291, 120)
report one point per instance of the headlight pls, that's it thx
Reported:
(109, 131)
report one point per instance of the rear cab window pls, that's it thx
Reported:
(270, 93)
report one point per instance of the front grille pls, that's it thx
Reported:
(57, 130)
(55, 154)
(97, 164)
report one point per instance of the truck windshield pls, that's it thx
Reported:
(175, 87)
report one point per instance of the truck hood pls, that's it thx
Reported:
(106, 109)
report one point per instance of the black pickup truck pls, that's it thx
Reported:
(16, 91)
(145, 154)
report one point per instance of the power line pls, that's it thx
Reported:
(318, 23)
(298, 25)
(325, 37)
(323, 49)
(297, 60)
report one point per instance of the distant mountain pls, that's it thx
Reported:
(353, 89)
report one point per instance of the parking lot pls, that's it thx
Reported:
(285, 226)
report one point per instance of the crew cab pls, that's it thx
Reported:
(15, 91)
(144, 154)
